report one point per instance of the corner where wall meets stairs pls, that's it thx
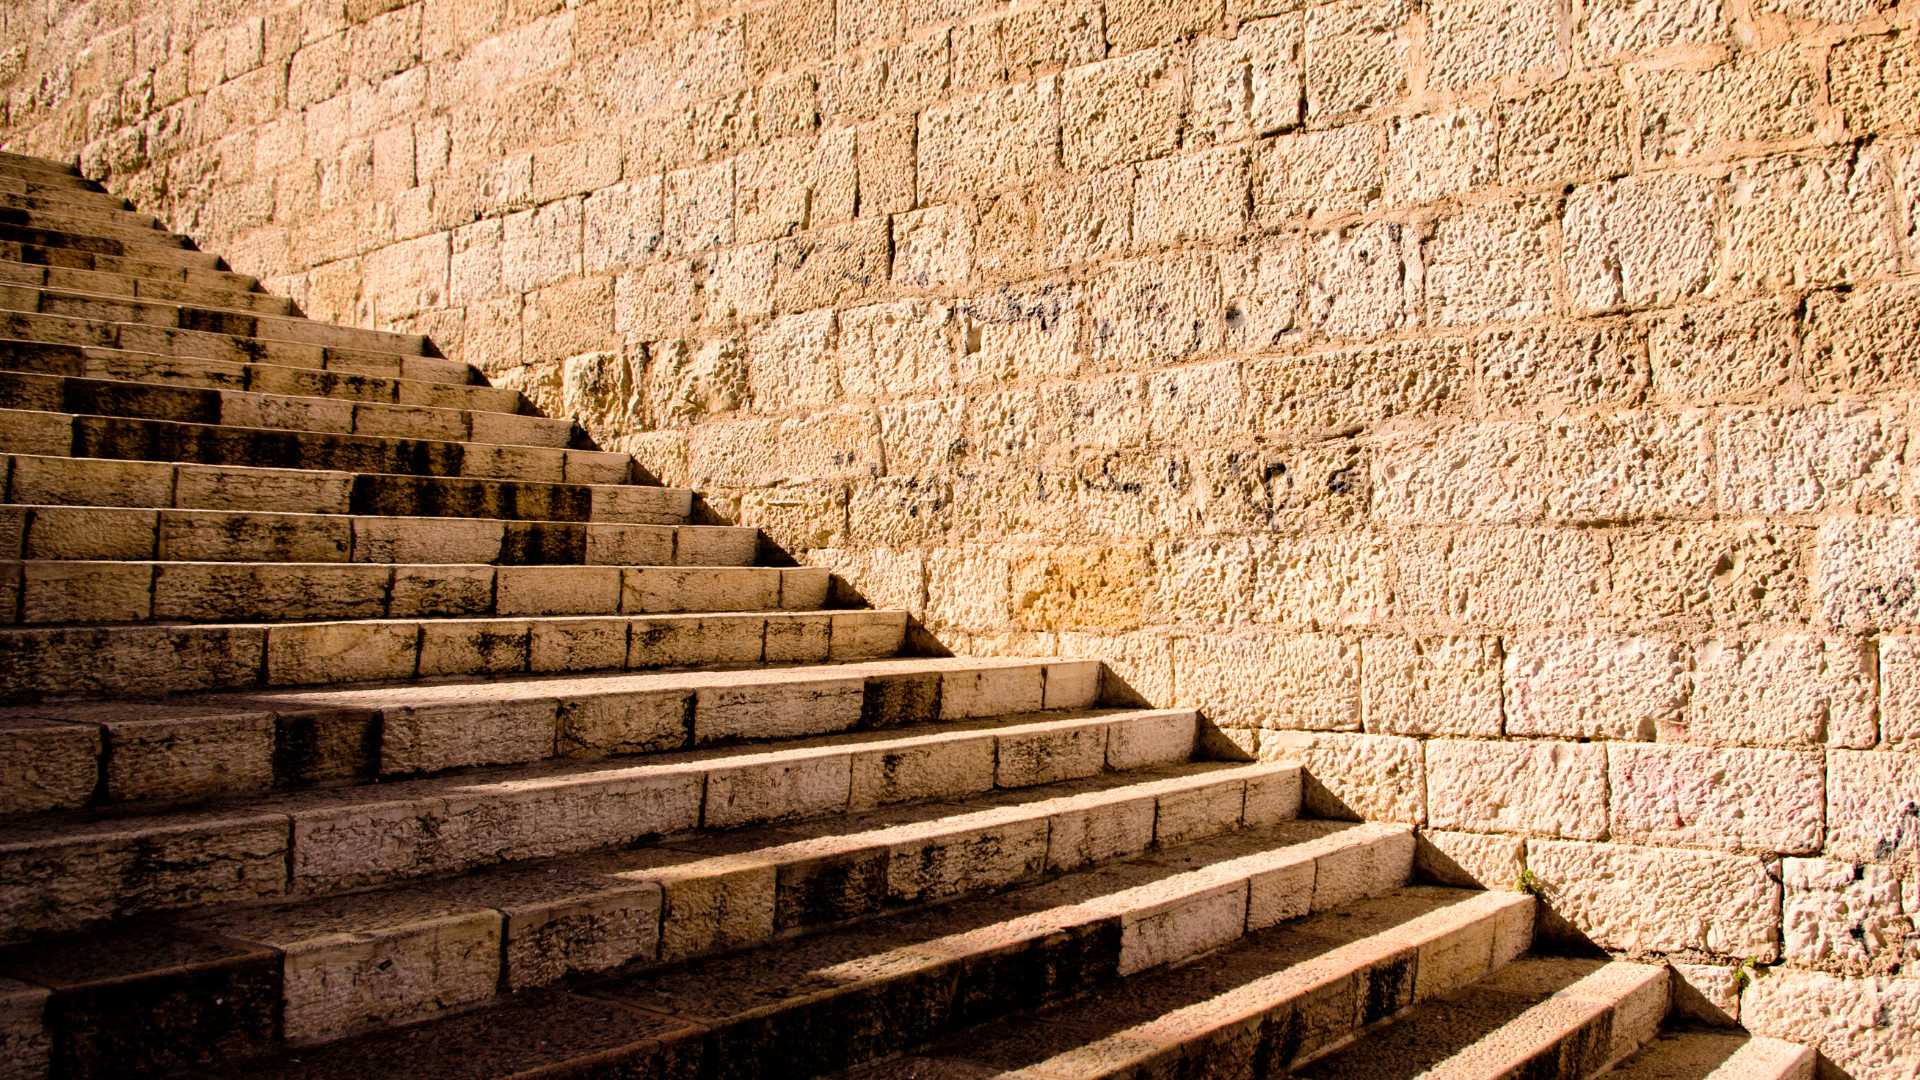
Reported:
(359, 721)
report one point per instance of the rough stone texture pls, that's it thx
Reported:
(1642, 900)
(1562, 396)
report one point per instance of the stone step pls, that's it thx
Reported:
(73, 481)
(162, 249)
(1717, 1055)
(91, 593)
(215, 320)
(100, 533)
(133, 266)
(1256, 1006)
(1553, 1018)
(108, 210)
(281, 412)
(70, 756)
(66, 872)
(233, 348)
(110, 224)
(28, 164)
(151, 660)
(60, 189)
(860, 988)
(343, 377)
(127, 285)
(115, 438)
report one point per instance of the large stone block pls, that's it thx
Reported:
(1440, 154)
(1750, 99)
(1567, 131)
(1751, 800)
(1869, 1026)
(1593, 687)
(1476, 41)
(1641, 900)
(1641, 240)
(1873, 806)
(1271, 679)
(1356, 57)
(1793, 690)
(1810, 459)
(1850, 918)
(1122, 110)
(1248, 85)
(1491, 262)
(1354, 777)
(1538, 788)
(1431, 685)
(1813, 220)
(988, 141)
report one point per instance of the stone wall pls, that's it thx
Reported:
(1503, 408)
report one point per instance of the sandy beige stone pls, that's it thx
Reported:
(1537, 788)
(1648, 900)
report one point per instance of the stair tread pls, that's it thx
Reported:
(76, 293)
(23, 323)
(67, 826)
(1717, 1055)
(36, 254)
(405, 344)
(1604, 1008)
(1253, 986)
(249, 375)
(110, 285)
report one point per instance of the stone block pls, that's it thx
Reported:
(341, 652)
(189, 757)
(1249, 85)
(1621, 27)
(1862, 575)
(1873, 804)
(1639, 241)
(1126, 109)
(1593, 687)
(1354, 777)
(1809, 459)
(1271, 679)
(1356, 57)
(86, 592)
(491, 646)
(1641, 900)
(653, 589)
(1794, 690)
(55, 481)
(1470, 860)
(1874, 81)
(1195, 196)
(1849, 918)
(775, 786)
(1049, 755)
(1871, 1024)
(429, 738)
(1567, 131)
(1477, 41)
(1723, 799)
(1537, 788)
(1489, 263)
(47, 765)
(74, 532)
(1802, 221)
(766, 709)
(1152, 739)
(1317, 174)
(1440, 154)
(989, 141)
(1712, 110)
(1432, 685)
(949, 768)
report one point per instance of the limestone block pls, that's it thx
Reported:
(1432, 685)
(773, 710)
(1440, 154)
(1722, 352)
(1504, 577)
(1195, 196)
(1356, 57)
(661, 589)
(1303, 396)
(1489, 472)
(1809, 459)
(189, 756)
(991, 691)
(1470, 860)
(968, 588)
(1476, 41)
(568, 317)
(1618, 27)
(932, 248)
(1794, 221)
(86, 592)
(1137, 667)
(1794, 690)
(407, 277)
(340, 652)
(1538, 788)
(1182, 926)
(296, 491)
(1873, 802)
(988, 141)
(709, 902)
(53, 481)
(949, 768)
(470, 648)
(1640, 240)
(1862, 578)
(1249, 85)
(775, 786)
(1848, 918)
(1362, 280)
(1270, 679)
(1350, 776)
(1874, 81)
(1489, 263)
(1588, 687)
(557, 590)
(795, 640)
(540, 247)
(1870, 1024)
(1365, 861)
(1753, 800)
(790, 363)
(47, 765)
(1088, 831)
(1568, 131)
(1316, 174)
(26, 1047)
(1126, 109)
(1644, 464)
(937, 867)
(428, 738)
(1644, 899)
(1694, 110)
(1152, 739)
(591, 927)
(75, 532)
(1707, 993)
(1061, 588)
(1323, 581)
(1198, 811)
(1050, 755)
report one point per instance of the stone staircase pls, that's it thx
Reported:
(362, 723)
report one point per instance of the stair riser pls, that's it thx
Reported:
(702, 911)
(322, 848)
(162, 290)
(111, 533)
(280, 412)
(145, 661)
(58, 190)
(223, 753)
(126, 439)
(341, 383)
(71, 481)
(72, 259)
(201, 345)
(95, 210)
(41, 301)
(162, 250)
(111, 224)
(877, 1016)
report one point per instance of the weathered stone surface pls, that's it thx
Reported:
(1470, 860)
(1350, 776)
(1849, 918)
(1650, 900)
(1868, 1023)
(1873, 805)
(1723, 799)
(1537, 788)
(1432, 686)
(1788, 691)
